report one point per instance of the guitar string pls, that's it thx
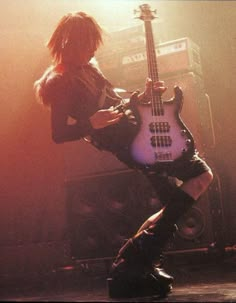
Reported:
(152, 70)
(149, 59)
(157, 100)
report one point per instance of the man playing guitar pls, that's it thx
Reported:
(73, 87)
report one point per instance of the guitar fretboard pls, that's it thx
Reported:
(157, 106)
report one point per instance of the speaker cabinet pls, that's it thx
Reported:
(204, 224)
(195, 229)
(104, 210)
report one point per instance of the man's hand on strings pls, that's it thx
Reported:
(105, 117)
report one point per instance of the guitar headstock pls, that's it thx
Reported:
(145, 12)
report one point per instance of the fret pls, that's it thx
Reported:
(151, 52)
(157, 108)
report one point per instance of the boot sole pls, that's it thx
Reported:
(140, 287)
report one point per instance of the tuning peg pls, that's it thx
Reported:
(154, 12)
(135, 13)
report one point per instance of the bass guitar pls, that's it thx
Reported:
(163, 136)
(150, 133)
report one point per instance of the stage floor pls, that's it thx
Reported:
(213, 281)
(199, 292)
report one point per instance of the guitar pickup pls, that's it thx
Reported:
(159, 127)
(161, 141)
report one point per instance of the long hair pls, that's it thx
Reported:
(73, 30)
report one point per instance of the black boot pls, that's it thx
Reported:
(133, 274)
(134, 265)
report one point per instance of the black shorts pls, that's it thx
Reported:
(183, 169)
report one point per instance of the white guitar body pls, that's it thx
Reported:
(162, 138)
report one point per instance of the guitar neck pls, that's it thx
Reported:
(151, 52)
(156, 100)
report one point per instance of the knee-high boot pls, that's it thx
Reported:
(137, 257)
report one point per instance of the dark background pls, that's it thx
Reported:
(33, 223)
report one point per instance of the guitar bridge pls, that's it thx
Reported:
(163, 156)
